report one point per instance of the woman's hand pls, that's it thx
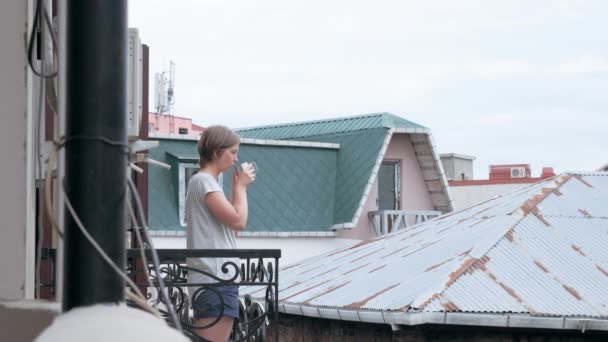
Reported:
(243, 175)
(234, 213)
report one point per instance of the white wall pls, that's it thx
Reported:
(16, 186)
(292, 249)
(465, 196)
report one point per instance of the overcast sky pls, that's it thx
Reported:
(506, 81)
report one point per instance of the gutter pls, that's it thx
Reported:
(497, 320)
(246, 234)
(249, 141)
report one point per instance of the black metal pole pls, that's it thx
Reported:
(96, 160)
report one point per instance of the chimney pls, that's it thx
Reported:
(547, 172)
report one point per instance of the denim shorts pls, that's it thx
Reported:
(207, 302)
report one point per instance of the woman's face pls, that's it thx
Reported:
(228, 157)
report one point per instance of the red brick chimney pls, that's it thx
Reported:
(547, 172)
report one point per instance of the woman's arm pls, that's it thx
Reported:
(232, 213)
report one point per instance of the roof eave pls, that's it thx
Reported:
(290, 143)
(495, 320)
(249, 141)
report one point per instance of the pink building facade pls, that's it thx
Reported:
(414, 195)
(172, 125)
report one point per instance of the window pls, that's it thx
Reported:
(185, 172)
(190, 171)
(150, 128)
(182, 130)
(389, 185)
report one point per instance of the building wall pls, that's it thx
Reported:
(292, 249)
(23, 321)
(414, 194)
(305, 329)
(468, 195)
(454, 167)
(16, 183)
(162, 124)
(462, 166)
(448, 167)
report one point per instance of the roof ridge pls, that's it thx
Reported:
(336, 132)
(523, 188)
(302, 123)
(531, 203)
(528, 206)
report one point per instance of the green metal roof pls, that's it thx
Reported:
(330, 126)
(360, 138)
(298, 188)
(294, 188)
(358, 153)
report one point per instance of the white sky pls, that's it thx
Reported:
(511, 81)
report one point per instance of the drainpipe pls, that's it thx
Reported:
(95, 156)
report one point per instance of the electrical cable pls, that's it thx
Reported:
(49, 25)
(114, 143)
(140, 242)
(155, 259)
(143, 303)
(41, 17)
(103, 254)
(38, 149)
(39, 198)
(38, 13)
(138, 298)
(51, 92)
(51, 163)
(50, 211)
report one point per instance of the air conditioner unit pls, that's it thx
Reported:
(518, 172)
(134, 87)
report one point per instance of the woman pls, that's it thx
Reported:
(212, 220)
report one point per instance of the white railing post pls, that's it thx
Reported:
(398, 219)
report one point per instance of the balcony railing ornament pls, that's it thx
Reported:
(255, 316)
(253, 272)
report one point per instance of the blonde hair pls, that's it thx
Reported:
(213, 141)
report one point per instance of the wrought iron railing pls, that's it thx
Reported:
(386, 221)
(257, 268)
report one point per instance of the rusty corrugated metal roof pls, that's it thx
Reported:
(539, 250)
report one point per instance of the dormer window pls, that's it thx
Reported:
(185, 172)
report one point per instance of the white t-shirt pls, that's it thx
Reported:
(204, 231)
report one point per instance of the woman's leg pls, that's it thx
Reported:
(217, 333)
